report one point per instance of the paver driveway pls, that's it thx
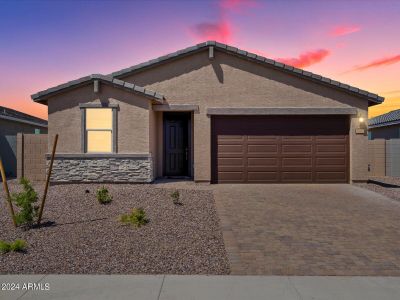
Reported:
(301, 229)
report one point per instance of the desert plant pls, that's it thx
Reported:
(16, 246)
(175, 195)
(103, 195)
(4, 247)
(25, 201)
(136, 218)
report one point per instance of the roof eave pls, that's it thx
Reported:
(372, 98)
(42, 96)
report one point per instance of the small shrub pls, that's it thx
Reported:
(25, 201)
(136, 218)
(4, 247)
(175, 195)
(18, 245)
(103, 195)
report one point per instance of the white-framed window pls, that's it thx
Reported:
(99, 130)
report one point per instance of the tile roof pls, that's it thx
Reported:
(41, 96)
(113, 77)
(17, 116)
(257, 58)
(390, 118)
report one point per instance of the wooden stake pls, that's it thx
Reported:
(48, 179)
(3, 176)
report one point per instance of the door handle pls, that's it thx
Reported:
(186, 153)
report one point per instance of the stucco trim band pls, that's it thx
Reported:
(176, 107)
(281, 111)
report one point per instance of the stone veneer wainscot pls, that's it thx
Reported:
(134, 168)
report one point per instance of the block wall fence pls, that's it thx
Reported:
(384, 157)
(31, 156)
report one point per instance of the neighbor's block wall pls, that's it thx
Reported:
(31, 153)
(393, 158)
(377, 157)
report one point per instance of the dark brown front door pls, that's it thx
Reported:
(280, 149)
(176, 144)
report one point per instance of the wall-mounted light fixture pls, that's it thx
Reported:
(360, 118)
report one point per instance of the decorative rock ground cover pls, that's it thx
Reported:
(81, 236)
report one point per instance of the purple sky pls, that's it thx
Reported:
(45, 43)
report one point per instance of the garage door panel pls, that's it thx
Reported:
(262, 139)
(226, 149)
(230, 140)
(292, 149)
(283, 149)
(256, 161)
(332, 148)
(264, 149)
(330, 161)
(296, 139)
(296, 161)
(231, 161)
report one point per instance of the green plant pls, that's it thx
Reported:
(103, 195)
(18, 245)
(175, 195)
(136, 218)
(4, 247)
(25, 201)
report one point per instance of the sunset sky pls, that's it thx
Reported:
(45, 43)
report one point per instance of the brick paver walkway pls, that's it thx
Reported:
(309, 230)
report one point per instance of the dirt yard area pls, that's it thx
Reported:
(387, 186)
(81, 236)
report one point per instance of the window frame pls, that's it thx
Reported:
(114, 108)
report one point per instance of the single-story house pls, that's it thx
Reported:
(11, 123)
(213, 113)
(386, 126)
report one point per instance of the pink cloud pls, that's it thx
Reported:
(344, 30)
(236, 5)
(377, 63)
(306, 59)
(219, 31)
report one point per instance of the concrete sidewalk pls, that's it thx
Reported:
(171, 287)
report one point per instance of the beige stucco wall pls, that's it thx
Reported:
(229, 81)
(133, 125)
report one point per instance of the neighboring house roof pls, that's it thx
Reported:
(374, 98)
(112, 78)
(390, 118)
(43, 95)
(17, 116)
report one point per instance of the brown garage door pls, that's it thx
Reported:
(273, 149)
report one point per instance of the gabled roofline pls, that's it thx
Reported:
(371, 97)
(18, 120)
(388, 119)
(42, 96)
(390, 123)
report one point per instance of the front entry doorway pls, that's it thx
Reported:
(177, 141)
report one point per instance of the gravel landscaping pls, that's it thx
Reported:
(387, 186)
(81, 236)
